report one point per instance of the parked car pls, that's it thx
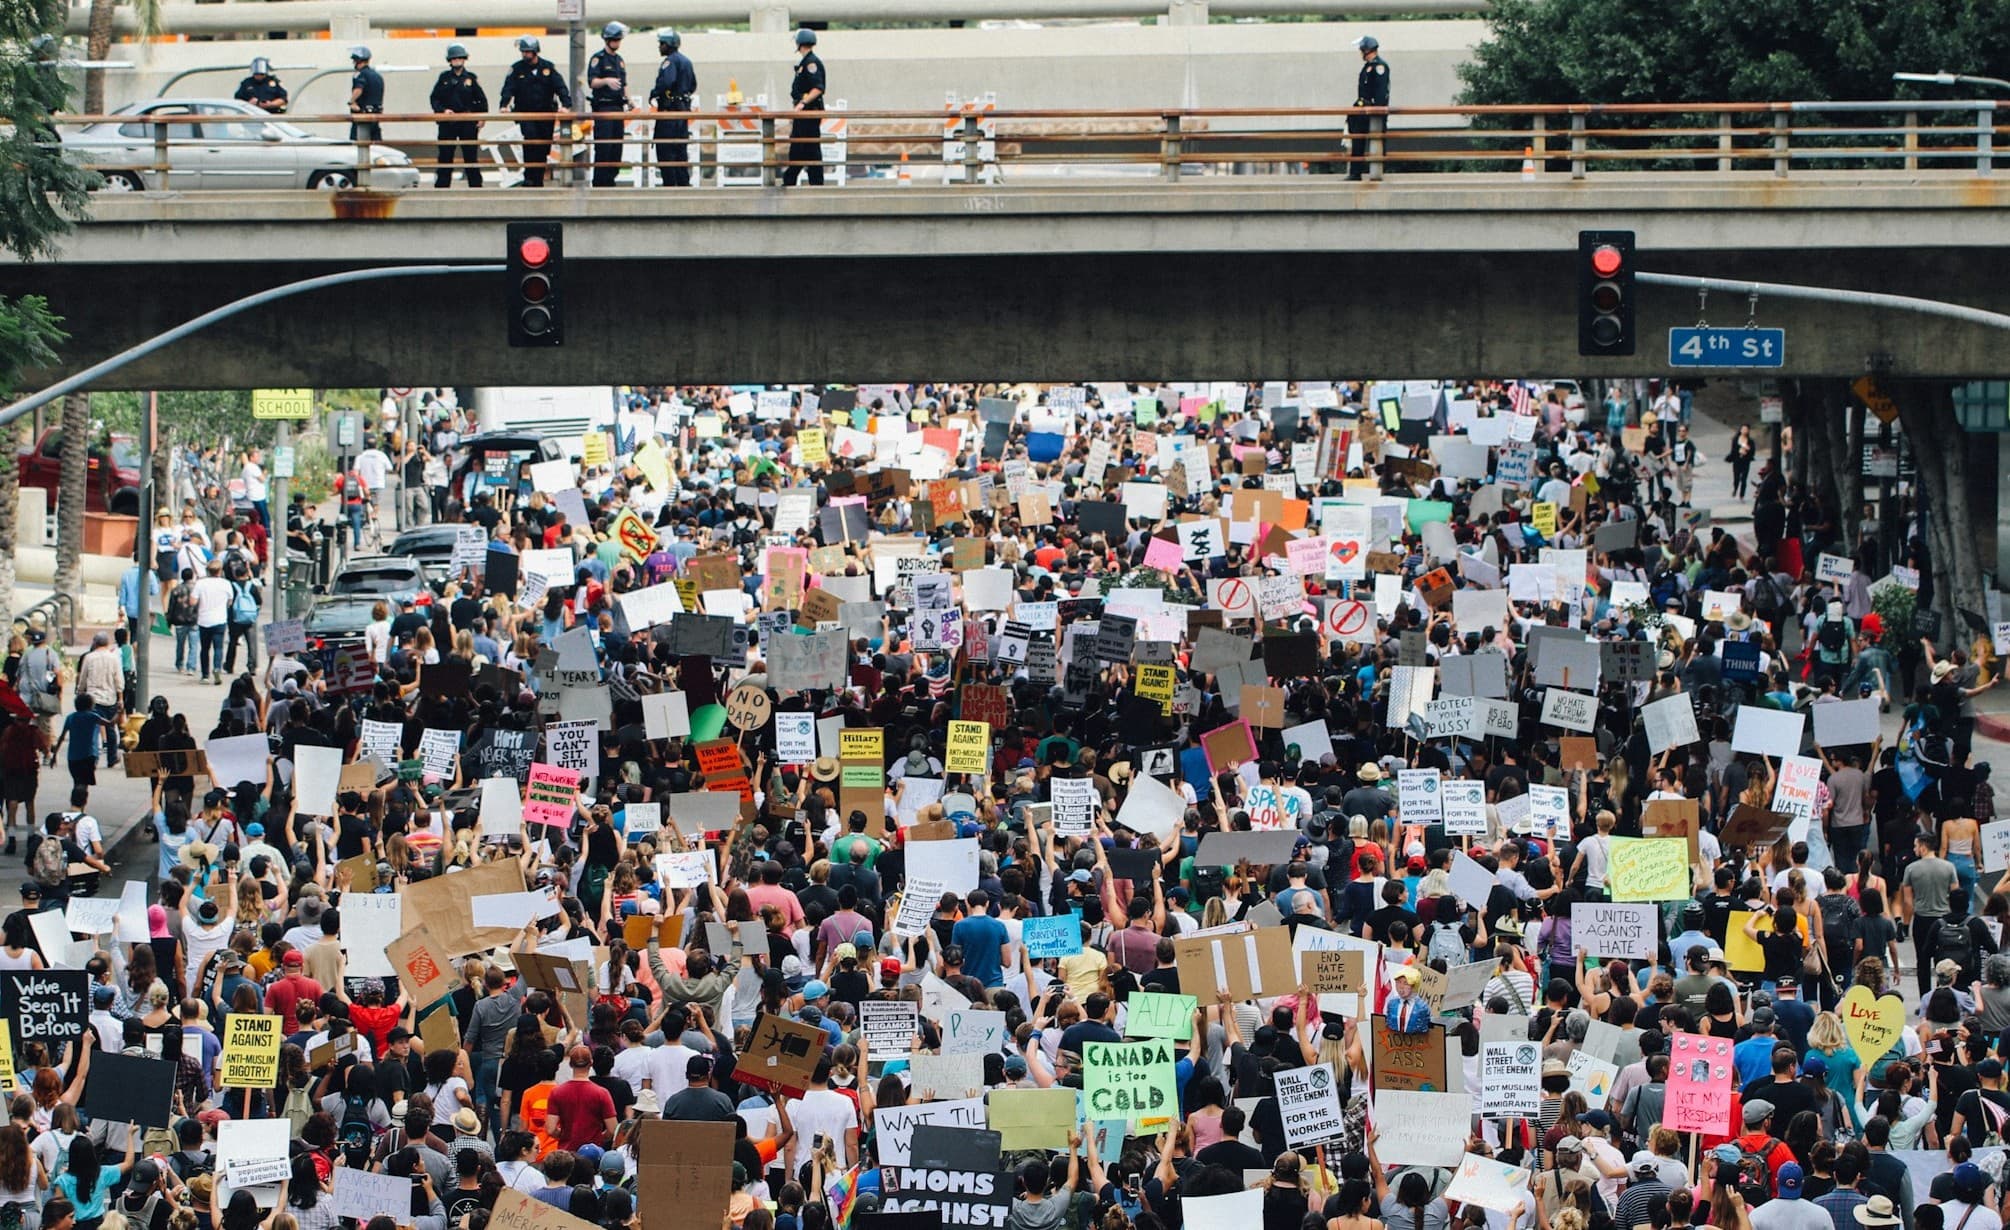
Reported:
(216, 143)
(397, 579)
(496, 461)
(114, 475)
(433, 547)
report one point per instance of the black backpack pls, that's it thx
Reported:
(357, 1132)
(1955, 942)
(1833, 635)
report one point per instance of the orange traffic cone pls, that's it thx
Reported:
(1528, 162)
(906, 177)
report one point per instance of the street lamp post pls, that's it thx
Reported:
(333, 72)
(224, 68)
(1944, 78)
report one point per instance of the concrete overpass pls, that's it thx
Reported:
(1220, 278)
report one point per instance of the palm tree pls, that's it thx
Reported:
(13, 439)
(98, 43)
(76, 427)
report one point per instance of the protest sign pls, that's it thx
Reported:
(1421, 1129)
(1407, 1061)
(1604, 929)
(1150, 1015)
(1490, 1185)
(1592, 1076)
(890, 1026)
(551, 796)
(1032, 1118)
(1308, 1100)
(423, 967)
(1419, 797)
(1242, 966)
(967, 1031)
(371, 922)
(250, 1057)
(1699, 1085)
(782, 1055)
(895, 1125)
(1510, 1079)
(1649, 869)
(1130, 1080)
(362, 1194)
(130, 1089)
(1465, 807)
(974, 1192)
(935, 1076)
(1053, 935)
(47, 1006)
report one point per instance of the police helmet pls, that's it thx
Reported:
(613, 30)
(359, 53)
(42, 43)
(261, 67)
(529, 43)
(456, 52)
(1367, 42)
(669, 40)
(806, 38)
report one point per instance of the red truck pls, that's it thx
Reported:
(114, 484)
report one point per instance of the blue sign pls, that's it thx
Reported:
(1056, 935)
(1727, 347)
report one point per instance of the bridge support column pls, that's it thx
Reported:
(1186, 13)
(769, 18)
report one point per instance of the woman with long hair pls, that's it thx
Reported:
(21, 1176)
(1284, 1197)
(308, 1198)
(15, 950)
(87, 1183)
(1827, 1039)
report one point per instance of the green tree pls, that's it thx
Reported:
(41, 193)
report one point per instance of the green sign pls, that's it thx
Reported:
(411, 770)
(1159, 1016)
(1132, 1081)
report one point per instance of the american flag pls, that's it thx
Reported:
(1521, 397)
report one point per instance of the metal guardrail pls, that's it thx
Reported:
(750, 145)
(47, 608)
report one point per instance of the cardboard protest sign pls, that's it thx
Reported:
(1132, 1081)
(1672, 818)
(1032, 1118)
(423, 967)
(442, 904)
(130, 1089)
(515, 1211)
(1407, 1061)
(683, 1165)
(783, 1055)
(1242, 966)
(1649, 869)
(1605, 929)
(1490, 1184)
(250, 1050)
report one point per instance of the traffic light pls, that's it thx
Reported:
(1605, 292)
(536, 299)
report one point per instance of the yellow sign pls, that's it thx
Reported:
(969, 747)
(6, 1056)
(1649, 869)
(1873, 1023)
(1156, 683)
(250, 1050)
(811, 444)
(282, 403)
(636, 536)
(654, 466)
(1543, 517)
(860, 746)
(593, 448)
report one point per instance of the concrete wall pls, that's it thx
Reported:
(1100, 66)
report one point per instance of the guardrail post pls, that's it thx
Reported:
(1724, 142)
(1169, 147)
(1985, 137)
(972, 136)
(770, 152)
(1782, 158)
(1577, 145)
(161, 154)
(363, 154)
(1540, 144)
(1377, 125)
(1912, 140)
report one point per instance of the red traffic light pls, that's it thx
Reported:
(1606, 259)
(534, 251)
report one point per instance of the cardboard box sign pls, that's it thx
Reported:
(1408, 1061)
(1750, 825)
(683, 1165)
(1245, 965)
(1672, 818)
(783, 1054)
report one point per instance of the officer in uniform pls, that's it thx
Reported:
(532, 87)
(366, 97)
(261, 89)
(607, 86)
(459, 92)
(676, 85)
(806, 151)
(1372, 90)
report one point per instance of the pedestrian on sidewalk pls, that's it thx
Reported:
(81, 730)
(212, 612)
(101, 677)
(22, 746)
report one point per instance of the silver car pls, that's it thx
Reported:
(216, 143)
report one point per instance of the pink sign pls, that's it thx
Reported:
(1162, 555)
(550, 796)
(1307, 556)
(1699, 1085)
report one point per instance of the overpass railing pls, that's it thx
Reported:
(750, 146)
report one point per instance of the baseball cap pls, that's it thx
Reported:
(815, 989)
(1789, 1180)
(254, 829)
(1990, 1068)
(1726, 1153)
(1645, 1165)
(1714, 955)
(889, 967)
(103, 994)
(1081, 875)
(698, 1067)
(1600, 1119)
(1757, 1112)
(296, 957)
(1814, 1065)
(1015, 1067)
(1968, 1177)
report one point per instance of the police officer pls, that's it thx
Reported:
(1372, 90)
(531, 87)
(676, 85)
(806, 151)
(607, 86)
(366, 96)
(261, 89)
(459, 92)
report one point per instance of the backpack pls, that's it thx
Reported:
(299, 1107)
(357, 1132)
(1766, 598)
(1954, 942)
(1755, 1174)
(1832, 635)
(243, 604)
(181, 607)
(46, 862)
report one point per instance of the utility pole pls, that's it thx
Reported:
(143, 543)
(275, 533)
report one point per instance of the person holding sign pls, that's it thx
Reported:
(1407, 1012)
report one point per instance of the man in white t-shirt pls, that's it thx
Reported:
(212, 596)
(823, 1115)
(253, 475)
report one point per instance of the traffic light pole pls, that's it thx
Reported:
(1824, 294)
(34, 401)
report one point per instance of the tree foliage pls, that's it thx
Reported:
(1642, 51)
